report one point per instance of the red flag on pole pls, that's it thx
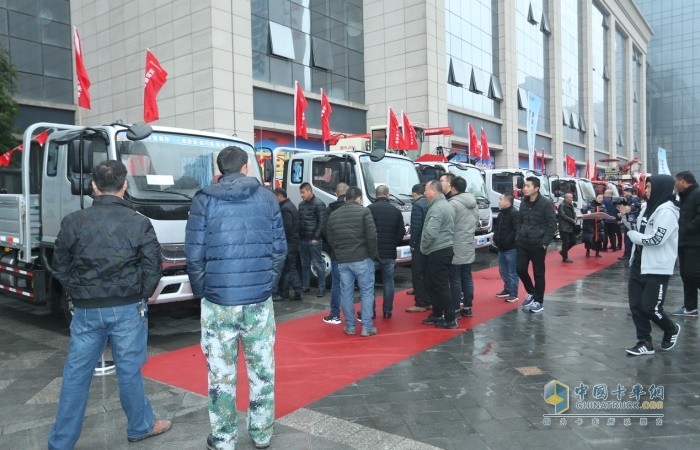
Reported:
(409, 133)
(544, 167)
(326, 111)
(82, 75)
(394, 139)
(588, 170)
(155, 78)
(570, 166)
(595, 171)
(300, 105)
(474, 149)
(485, 154)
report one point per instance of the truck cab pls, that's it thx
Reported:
(433, 170)
(580, 188)
(165, 167)
(502, 181)
(324, 170)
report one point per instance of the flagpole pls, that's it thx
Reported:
(296, 89)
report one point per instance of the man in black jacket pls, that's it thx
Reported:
(334, 317)
(504, 239)
(312, 213)
(353, 236)
(390, 231)
(689, 242)
(536, 226)
(290, 218)
(418, 259)
(567, 220)
(107, 258)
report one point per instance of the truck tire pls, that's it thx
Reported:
(327, 263)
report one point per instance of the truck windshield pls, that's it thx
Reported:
(475, 182)
(587, 191)
(398, 174)
(544, 182)
(174, 166)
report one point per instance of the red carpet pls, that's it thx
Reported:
(314, 359)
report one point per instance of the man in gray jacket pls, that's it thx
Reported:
(567, 220)
(436, 244)
(353, 237)
(466, 218)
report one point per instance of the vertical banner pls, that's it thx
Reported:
(409, 133)
(663, 164)
(533, 112)
(326, 111)
(154, 79)
(300, 105)
(394, 139)
(81, 73)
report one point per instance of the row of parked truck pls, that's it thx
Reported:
(166, 167)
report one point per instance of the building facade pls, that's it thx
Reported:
(232, 67)
(673, 94)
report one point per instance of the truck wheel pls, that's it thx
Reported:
(327, 265)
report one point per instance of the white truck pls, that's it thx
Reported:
(166, 166)
(361, 168)
(502, 181)
(433, 170)
(580, 188)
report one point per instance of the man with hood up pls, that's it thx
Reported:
(653, 259)
(235, 247)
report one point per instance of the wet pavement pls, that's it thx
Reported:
(483, 388)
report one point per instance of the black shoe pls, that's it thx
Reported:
(305, 290)
(411, 292)
(320, 294)
(502, 294)
(588, 253)
(670, 340)
(567, 260)
(431, 320)
(211, 445)
(450, 325)
(467, 312)
(642, 348)
(387, 315)
(598, 255)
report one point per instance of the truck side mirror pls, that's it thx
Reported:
(268, 171)
(138, 131)
(520, 183)
(74, 156)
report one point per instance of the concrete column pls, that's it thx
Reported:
(612, 91)
(587, 79)
(556, 102)
(642, 97)
(629, 107)
(509, 83)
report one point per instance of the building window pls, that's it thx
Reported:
(281, 42)
(523, 99)
(454, 74)
(321, 52)
(544, 26)
(495, 88)
(531, 16)
(473, 84)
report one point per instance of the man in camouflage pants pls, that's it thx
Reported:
(235, 273)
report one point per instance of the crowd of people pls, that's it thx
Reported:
(242, 243)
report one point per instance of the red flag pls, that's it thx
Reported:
(595, 171)
(474, 149)
(570, 166)
(300, 105)
(394, 139)
(5, 158)
(82, 75)
(544, 167)
(41, 138)
(588, 170)
(20, 147)
(326, 112)
(155, 78)
(484, 145)
(409, 133)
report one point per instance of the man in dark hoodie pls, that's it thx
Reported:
(418, 259)
(236, 248)
(536, 226)
(653, 259)
(334, 317)
(390, 231)
(290, 275)
(689, 242)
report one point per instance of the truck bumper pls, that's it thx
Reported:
(174, 288)
(483, 240)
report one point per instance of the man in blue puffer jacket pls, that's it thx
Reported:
(236, 248)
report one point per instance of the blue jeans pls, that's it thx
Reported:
(335, 289)
(509, 275)
(311, 254)
(387, 267)
(363, 272)
(90, 328)
(462, 283)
